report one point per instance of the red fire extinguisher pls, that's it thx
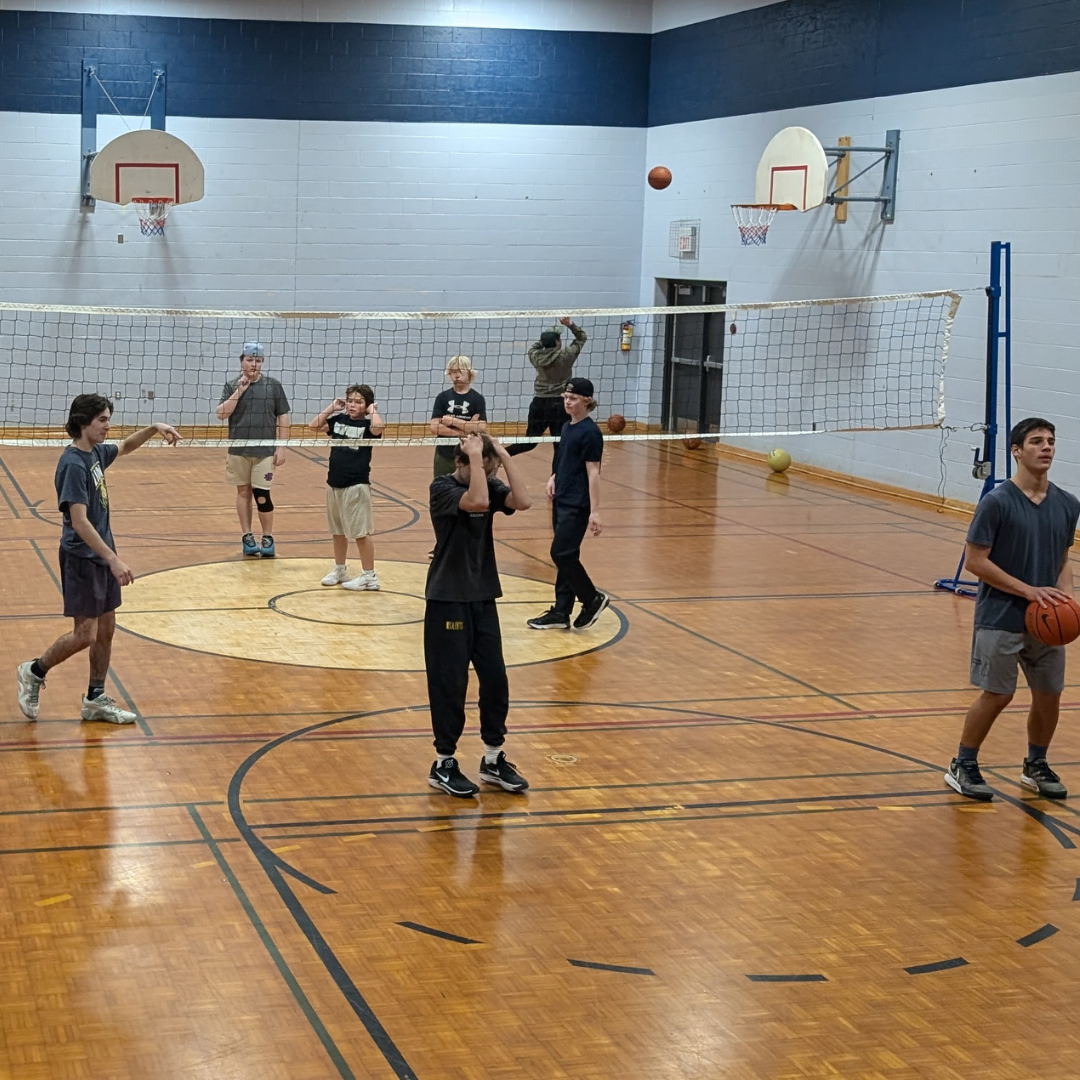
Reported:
(627, 335)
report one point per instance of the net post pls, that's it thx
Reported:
(998, 302)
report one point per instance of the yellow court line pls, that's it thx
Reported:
(287, 847)
(358, 836)
(52, 900)
(201, 865)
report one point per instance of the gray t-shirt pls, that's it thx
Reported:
(255, 415)
(1026, 540)
(80, 478)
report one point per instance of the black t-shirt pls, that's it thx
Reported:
(468, 406)
(463, 567)
(1026, 540)
(578, 443)
(350, 462)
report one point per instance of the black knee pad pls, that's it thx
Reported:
(263, 503)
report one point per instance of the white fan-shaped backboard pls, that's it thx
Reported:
(793, 170)
(146, 165)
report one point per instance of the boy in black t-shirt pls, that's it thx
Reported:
(351, 422)
(461, 622)
(91, 572)
(574, 491)
(457, 412)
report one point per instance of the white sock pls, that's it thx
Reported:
(491, 753)
(443, 758)
(341, 566)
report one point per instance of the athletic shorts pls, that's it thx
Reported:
(996, 653)
(348, 511)
(258, 472)
(90, 590)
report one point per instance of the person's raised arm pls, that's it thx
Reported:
(134, 441)
(378, 424)
(228, 404)
(476, 499)
(318, 421)
(593, 470)
(92, 538)
(977, 560)
(519, 498)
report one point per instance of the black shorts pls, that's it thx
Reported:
(90, 590)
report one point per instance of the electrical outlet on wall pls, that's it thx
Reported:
(146, 394)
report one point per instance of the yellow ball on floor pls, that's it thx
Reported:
(778, 460)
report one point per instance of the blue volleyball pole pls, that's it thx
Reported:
(998, 343)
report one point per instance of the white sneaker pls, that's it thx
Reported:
(338, 576)
(104, 708)
(368, 580)
(29, 689)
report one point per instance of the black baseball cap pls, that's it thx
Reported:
(581, 387)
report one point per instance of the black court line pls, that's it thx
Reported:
(439, 933)
(11, 506)
(818, 692)
(1044, 932)
(271, 866)
(592, 811)
(787, 978)
(275, 954)
(938, 965)
(619, 968)
(1076, 891)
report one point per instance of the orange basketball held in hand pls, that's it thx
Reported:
(659, 177)
(615, 423)
(1054, 624)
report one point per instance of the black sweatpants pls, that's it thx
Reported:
(455, 635)
(570, 524)
(545, 414)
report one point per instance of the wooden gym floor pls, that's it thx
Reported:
(737, 858)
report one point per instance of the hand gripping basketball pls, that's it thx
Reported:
(1053, 623)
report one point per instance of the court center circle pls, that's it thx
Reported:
(275, 611)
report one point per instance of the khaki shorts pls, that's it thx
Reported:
(258, 472)
(995, 655)
(348, 511)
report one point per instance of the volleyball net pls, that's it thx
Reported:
(863, 363)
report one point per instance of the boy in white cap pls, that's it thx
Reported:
(256, 407)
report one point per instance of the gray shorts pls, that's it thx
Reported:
(995, 654)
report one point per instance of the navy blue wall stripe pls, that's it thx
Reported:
(811, 52)
(328, 71)
(786, 55)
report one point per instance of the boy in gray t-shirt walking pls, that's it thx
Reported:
(1018, 547)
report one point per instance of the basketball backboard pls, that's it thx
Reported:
(793, 170)
(146, 165)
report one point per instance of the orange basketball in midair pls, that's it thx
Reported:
(1054, 624)
(659, 177)
(615, 423)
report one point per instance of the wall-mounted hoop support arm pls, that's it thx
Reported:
(89, 130)
(91, 99)
(890, 154)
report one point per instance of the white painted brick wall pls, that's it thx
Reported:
(977, 164)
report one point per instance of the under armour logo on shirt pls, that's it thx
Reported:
(454, 406)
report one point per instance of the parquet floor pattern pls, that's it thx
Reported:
(737, 858)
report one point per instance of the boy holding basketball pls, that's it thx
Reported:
(1018, 547)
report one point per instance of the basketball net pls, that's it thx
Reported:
(152, 214)
(754, 220)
